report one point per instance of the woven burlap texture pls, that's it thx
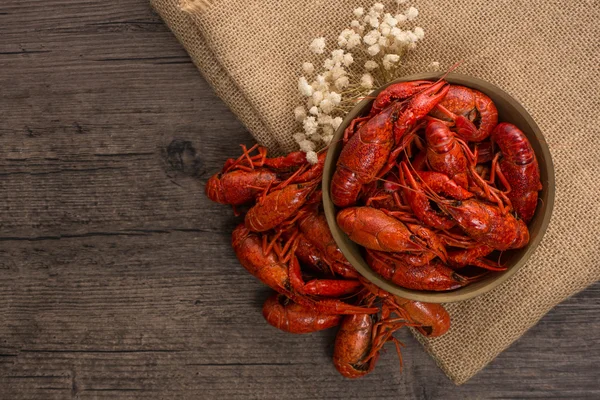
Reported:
(545, 54)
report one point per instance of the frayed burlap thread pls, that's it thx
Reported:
(545, 54)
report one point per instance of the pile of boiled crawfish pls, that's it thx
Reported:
(419, 186)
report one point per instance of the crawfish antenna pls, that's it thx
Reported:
(452, 68)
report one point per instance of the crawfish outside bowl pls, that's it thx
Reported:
(509, 110)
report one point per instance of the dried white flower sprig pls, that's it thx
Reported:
(369, 54)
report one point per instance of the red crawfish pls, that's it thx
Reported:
(249, 162)
(473, 256)
(518, 169)
(308, 254)
(273, 271)
(464, 106)
(374, 229)
(321, 287)
(487, 224)
(451, 156)
(434, 275)
(395, 92)
(239, 187)
(430, 319)
(419, 201)
(445, 154)
(372, 146)
(244, 178)
(279, 205)
(483, 222)
(363, 156)
(359, 341)
(353, 343)
(316, 230)
(282, 313)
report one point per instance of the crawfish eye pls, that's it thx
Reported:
(428, 330)
(360, 367)
(283, 300)
(458, 203)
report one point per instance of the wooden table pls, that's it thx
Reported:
(117, 275)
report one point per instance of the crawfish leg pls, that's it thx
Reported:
(332, 306)
(354, 125)
(322, 287)
(474, 256)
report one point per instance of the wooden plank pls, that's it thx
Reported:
(118, 279)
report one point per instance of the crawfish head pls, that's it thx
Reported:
(284, 314)
(213, 189)
(352, 344)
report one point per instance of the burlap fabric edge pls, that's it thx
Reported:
(186, 32)
(236, 35)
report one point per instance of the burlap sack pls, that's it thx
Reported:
(545, 54)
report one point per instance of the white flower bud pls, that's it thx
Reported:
(317, 46)
(373, 50)
(317, 97)
(343, 38)
(314, 110)
(327, 130)
(378, 7)
(328, 63)
(337, 56)
(402, 37)
(389, 60)
(419, 32)
(304, 88)
(371, 65)
(306, 145)
(335, 98)
(342, 82)
(299, 136)
(385, 29)
(400, 18)
(327, 139)
(390, 20)
(372, 37)
(374, 22)
(299, 113)
(353, 41)
(348, 59)
(308, 68)
(358, 12)
(324, 119)
(383, 41)
(310, 125)
(366, 81)
(326, 106)
(337, 72)
(337, 121)
(312, 157)
(411, 13)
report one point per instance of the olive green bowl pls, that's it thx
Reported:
(509, 110)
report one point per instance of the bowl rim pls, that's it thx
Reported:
(458, 294)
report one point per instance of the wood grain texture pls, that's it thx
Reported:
(117, 275)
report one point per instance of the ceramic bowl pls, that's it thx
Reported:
(509, 110)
